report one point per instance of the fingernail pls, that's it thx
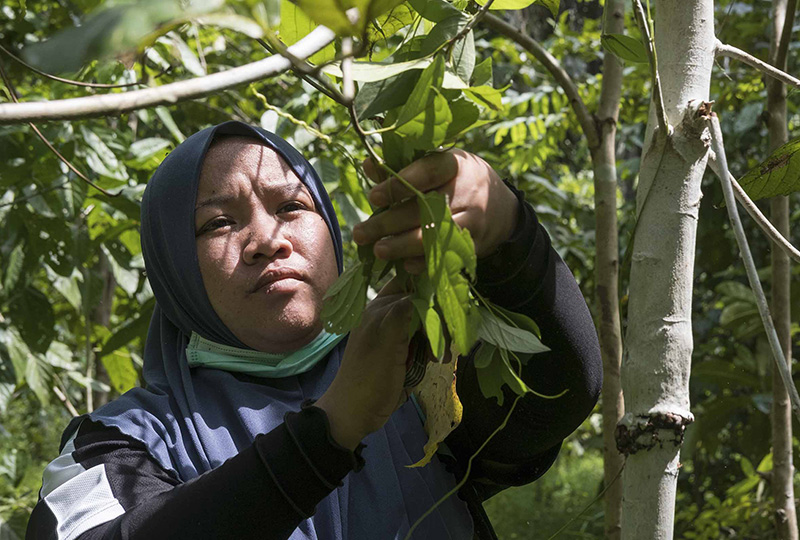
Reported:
(378, 198)
(381, 250)
(359, 234)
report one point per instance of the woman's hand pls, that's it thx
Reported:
(368, 387)
(478, 198)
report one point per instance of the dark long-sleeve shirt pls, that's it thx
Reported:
(266, 490)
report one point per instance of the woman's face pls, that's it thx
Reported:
(266, 255)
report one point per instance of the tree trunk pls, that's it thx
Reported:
(655, 371)
(607, 267)
(783, 471)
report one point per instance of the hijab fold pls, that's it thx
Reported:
(192, 419)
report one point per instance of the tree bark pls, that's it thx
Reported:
(655, 371)
(607, 268)
(168, 94)
(783, 470)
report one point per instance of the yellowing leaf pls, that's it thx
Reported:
(437, 398)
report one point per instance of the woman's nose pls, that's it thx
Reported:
(266, 240)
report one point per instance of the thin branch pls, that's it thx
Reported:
(786, 35)
(13, 93)
(552, 65)
(750, 266)
(302, 67)
(65, 400)
(480, 14)
(761, 220)
(348, 85)
(168, 94)
(721, 49)
(283, 114)
(46, 75)
(305, 77)
(658, 96)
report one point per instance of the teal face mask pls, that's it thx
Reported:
(204, 353)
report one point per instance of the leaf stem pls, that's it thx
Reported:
(464, 479)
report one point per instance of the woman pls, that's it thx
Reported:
(240, 243)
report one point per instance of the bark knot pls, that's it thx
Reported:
(648, 433)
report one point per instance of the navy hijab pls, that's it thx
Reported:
(193, 420)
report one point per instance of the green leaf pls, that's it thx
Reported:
(552, 5)
(435, 10)
(418, 101)
(232, 21)
(295, 25)
(463, 57)
(482, 74)
(370, 72)
(496, 373)
(433, 326)
(465, 116)
(113, 30)
(428, 129)
(625, 47)
(779, 174)
(130, 329)
(147, 154)
(101, 159)
(443, 32)
(33, 315)
(14, 268)
(376, 97)
(388, 24)
(498, 332)
(485, 96)
(330, 13)
(121, 371)
(448, 251)
(344, 302)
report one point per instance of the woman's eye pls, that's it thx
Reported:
(214, 224)
(292, 206)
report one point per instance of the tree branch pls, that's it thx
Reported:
(658, 96)
(730, 51)
(761, 220)
(168, 94)
(41, 73)
(786, 35)
(750, 266)
(552, 65)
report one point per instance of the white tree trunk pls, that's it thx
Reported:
(655, 371)
(782, 471)
(607, 268)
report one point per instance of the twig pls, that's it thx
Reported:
(761, 220)
(289, 117)
(24, 64)
(658, 96)
(480, 14)
(750, 266)
(13, 93)
(305, 77)
(552, 65)
(168, 94)
(65, 400)
(301, 66)
(721, 49)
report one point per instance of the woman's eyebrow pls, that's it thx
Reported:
(218, 200)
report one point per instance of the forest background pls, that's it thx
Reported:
(75, 304)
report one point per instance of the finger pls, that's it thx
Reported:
(415, 265)
(373, 171)
(395, 286)
(402, 246)
(398, 219)
(425, 174)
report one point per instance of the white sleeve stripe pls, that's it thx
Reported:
(62, 469)
(83, 502)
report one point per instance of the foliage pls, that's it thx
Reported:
(75, 303)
